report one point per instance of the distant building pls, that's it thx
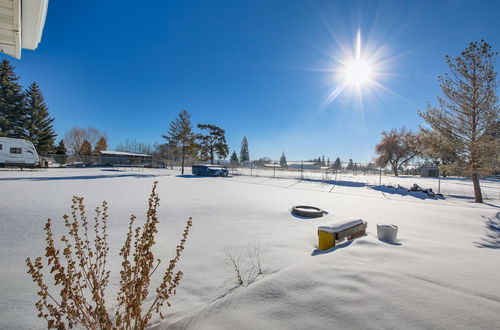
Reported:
(271, 165)
(305, 165)
(429, 171)
(110, 158)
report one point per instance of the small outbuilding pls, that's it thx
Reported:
(429, 172)
(110, 158)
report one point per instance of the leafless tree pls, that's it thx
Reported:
(135, 146)
(396, 148)
(73, 139)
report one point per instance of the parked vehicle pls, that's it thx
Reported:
(209, 170)
(17, 152)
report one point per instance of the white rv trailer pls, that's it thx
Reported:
(17, 152)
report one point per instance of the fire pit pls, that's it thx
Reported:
(307, 211)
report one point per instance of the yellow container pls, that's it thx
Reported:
(326, 238)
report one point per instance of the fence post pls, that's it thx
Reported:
(301, 170)
(439, 182)
(250, 169)
(274, 170)
(380, 177)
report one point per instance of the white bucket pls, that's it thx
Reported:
(387, 233)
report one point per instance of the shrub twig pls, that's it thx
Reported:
(80, 271)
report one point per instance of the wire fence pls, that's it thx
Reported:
(364, 175)
(354, 175)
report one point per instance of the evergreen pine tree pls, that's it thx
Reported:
(62, 153)
(180, 137)
(468, 114)
(350, 165)
(244, 153)
(86, 151)
(214, 142)
(337, 164)
(234, 161)
(38, 124)
(101, 145)
(283, 162)
(323, 163)
(12, 112)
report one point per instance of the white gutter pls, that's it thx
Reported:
(21, 25)
(33, 17)
(10, 27)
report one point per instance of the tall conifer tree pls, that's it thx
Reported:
(214, 142)
(101, 145)
(337, 164)
(61, 152)
(244, 153)
(466, 120)
(38, 124)
(283, 162)
(12, 114)
(180, 137)
(234, 161)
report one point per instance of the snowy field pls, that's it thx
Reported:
(442, 274)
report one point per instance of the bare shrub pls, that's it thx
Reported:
(247, 263)
(257, 256)
(80, 271)
(240, 270)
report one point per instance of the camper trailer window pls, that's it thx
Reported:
(0, 147)
(15, 150)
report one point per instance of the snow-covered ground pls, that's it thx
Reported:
(442, 274)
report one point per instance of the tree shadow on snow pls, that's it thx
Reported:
(337, 183)
(80, 177)
(492, 238)
(404, 192)
(471, 199)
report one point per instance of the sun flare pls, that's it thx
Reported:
(358, 72)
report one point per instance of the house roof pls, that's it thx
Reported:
(122, 153)
(302, 163)
(21, 25)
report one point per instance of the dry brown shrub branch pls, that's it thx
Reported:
(79, 271)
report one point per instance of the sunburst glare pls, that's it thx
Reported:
(357, 72)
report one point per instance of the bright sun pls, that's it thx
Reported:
(358, 72)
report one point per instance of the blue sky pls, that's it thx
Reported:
(261, 69)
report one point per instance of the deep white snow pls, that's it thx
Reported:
(442, 273)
